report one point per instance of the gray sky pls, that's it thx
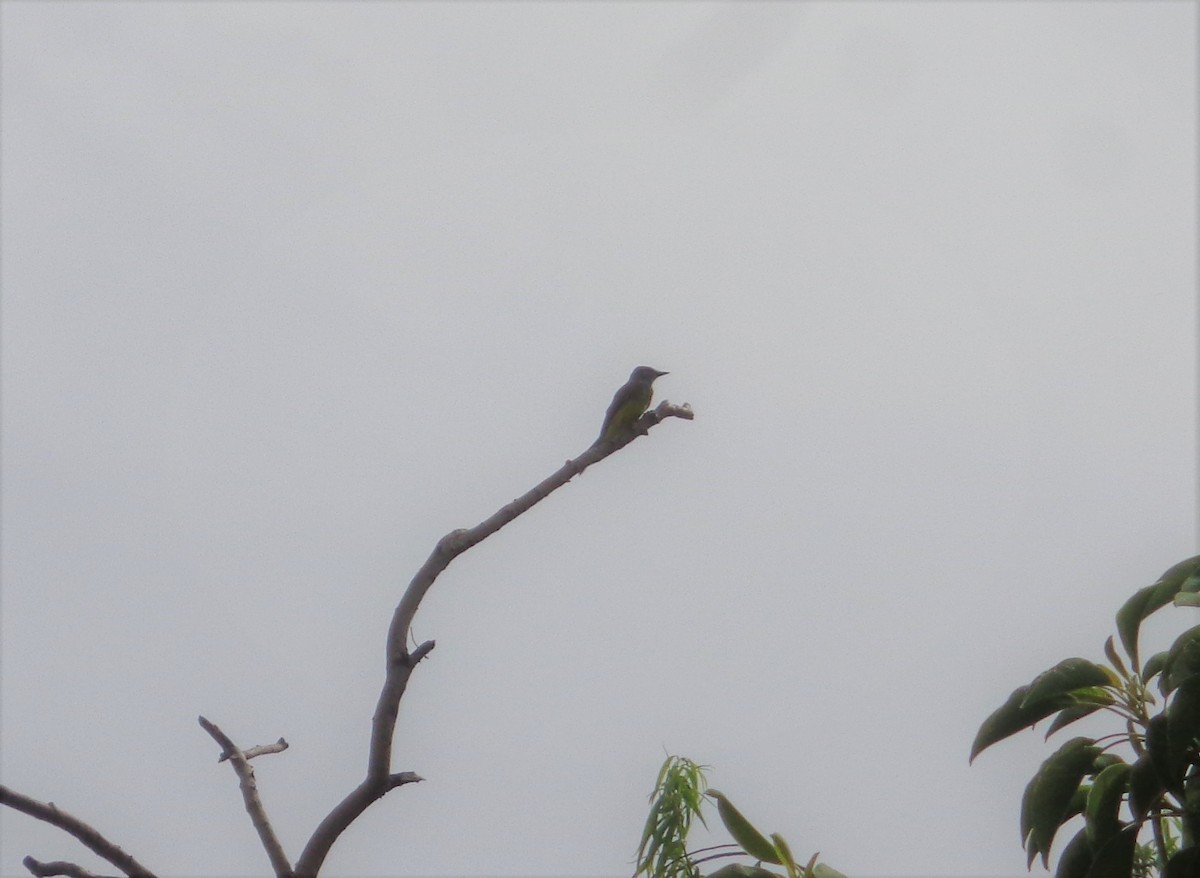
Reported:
(291, 290)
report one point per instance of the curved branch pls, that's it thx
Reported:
(89, 837)
(57, 867)
(400, 662)
(254, 805)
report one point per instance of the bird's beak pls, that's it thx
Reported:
(661, 374)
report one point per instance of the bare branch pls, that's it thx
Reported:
(57, 867)
(399, 780)
(400, 662)
(421, 651)
(665, 410)
(254, 805)
(89, 837)
(259, 750)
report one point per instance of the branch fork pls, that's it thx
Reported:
(398, 666)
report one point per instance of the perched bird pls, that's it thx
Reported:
(629, 403)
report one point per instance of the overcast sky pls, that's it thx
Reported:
(292, 290)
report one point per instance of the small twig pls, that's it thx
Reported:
(259, 750)
(57, 867)
(664, 410)
(401, 778)
(420, 652)
(89, 837)
(254, 805)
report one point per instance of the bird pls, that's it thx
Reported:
(629, 403)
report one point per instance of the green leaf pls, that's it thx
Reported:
(1190, 819)
(673, 804)
(737, 870)
(1131, 615)
(743, 831)
(1101, 696)
(809, 867)
(1111, 652)
(1104, 802)
(1154, 666)
(1076, 857)
(785, 855)
(822, 871)
(1048, 796)
(1183, 660)
(1065, 677)
(1145, 787)
(1183, 726)
(1069, 715)
(1191, 585)
(1114, 858)
(1167, 765)
(1151, 598)
(1013, 716)
(1181, 574)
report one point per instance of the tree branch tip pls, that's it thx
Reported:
(259, 750)
(401, 778)
(420, 652)
(667, 409)
(57, 867)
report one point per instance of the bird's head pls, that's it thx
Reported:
(646, 373)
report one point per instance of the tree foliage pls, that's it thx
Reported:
(679, 796)
(1141, 780)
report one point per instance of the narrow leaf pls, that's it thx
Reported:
(1076, 858)
(1183, 727)
(1069, 715)
(1191, 585)
(810, 866)
(1111, 652)
(1114, 858)
(823, 871)
(1166, 764)
(1065, 677)
(1013, 716)
(1154, 666)
(1174, 579)
(1130, 617)
(743, 831)
(1104, 802)
(1152, 598)
(785, 855)
(1145, 787)
(1048, 796)
(738, 870)
(1183, 660)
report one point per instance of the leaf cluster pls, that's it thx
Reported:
(1157, 787)
(677, 798)
(679, 794)
(753, 843)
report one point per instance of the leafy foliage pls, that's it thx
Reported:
(676, 800)
(678, 795)
(1156, 791)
